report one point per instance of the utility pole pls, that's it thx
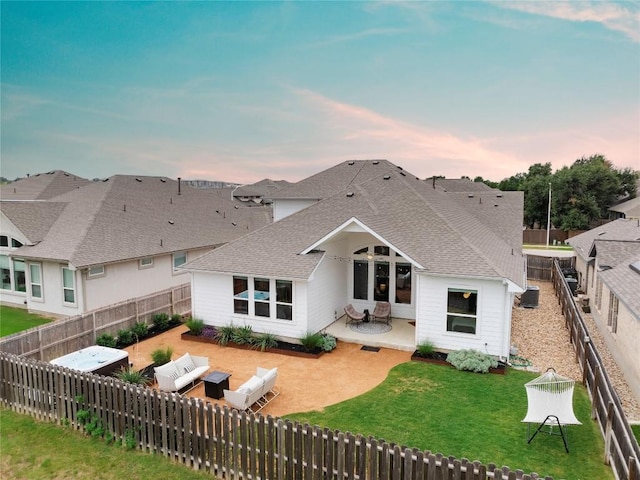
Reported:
(549, 215)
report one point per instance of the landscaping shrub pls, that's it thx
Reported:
(310, 341)
(265, 340)
(225, 334)
(328, 342)
(161, 321)
(195, 326)
(425, 348)
(209, 331)
(176, 318)
(125, 336)
(160, 356)
(129, 375)
(106, 340)
(243, 335)
(472, 360)
(140, 330)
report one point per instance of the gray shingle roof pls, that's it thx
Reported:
(460, 185)
(33, 219)
(424, 223)
(42, 186)
(333, 180)
(630, 208)
(623, 281)
(126, 217)
(621, 229)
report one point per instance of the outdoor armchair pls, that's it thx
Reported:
(382, 311)
(353, 316)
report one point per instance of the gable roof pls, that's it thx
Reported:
(33, 219)
(335, 179)
(412, 217)
(126, 217)
(619, 277)
(460, 185)
(621, 229)
(42, 186)
(263, 188)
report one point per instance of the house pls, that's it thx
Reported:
(629, 209)
(450, 262)
(100, 243)
(608, 266)
(42, 186)
(259, 193)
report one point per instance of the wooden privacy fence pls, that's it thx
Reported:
(65, 336)
(541, 268)
(621, 450)
(218, 440)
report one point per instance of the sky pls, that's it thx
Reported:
(242, 91)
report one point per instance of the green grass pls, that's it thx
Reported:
(636, 432)
(42, 451)
(14, 320)
(550, 247)
(468, 415)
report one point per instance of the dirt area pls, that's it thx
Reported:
(541, 338)
(348, 371)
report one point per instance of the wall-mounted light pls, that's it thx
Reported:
(466, 294)
(369, 256)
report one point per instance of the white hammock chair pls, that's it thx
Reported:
(550, 403)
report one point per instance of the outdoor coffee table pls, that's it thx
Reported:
(215, 383)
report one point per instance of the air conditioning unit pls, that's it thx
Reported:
(529, 298)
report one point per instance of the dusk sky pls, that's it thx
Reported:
(241, 91)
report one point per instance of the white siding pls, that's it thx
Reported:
(327, 293)
(285, 207)
(492, 326)
(53, 294)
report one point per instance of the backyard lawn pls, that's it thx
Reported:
(468, 415)
(14, 320)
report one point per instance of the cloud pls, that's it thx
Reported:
(624, 18)
(372, 32)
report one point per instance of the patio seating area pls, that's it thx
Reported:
(344, 373)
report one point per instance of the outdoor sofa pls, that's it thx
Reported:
(254, 394)
(177, 374)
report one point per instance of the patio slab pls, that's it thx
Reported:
(304, 384)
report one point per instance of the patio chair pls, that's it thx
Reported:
(382, 311)
(353, 316)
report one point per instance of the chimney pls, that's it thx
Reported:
(434, 181)
(179, 184)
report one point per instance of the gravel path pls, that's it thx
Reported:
(541, 337)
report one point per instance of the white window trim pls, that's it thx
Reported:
(142, 265)
(99, 273)
(466, 315)
(32, 283)
(273, 304)
(75, 292)
(176, 268)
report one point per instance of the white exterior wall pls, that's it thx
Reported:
(212, 302)
(9, 229)
(586, 277)
(52, 301)
(328, 292)
(285, 207)
(493, 318)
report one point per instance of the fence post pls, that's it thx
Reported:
(633, 468)
(594, 391)
(40, 344)
(607, 433)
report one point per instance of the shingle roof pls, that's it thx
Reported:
(127, 217)
(460, 185)
(42, 186)
(424, 223)
(631, 208)
(623, 281)
(33, 219)
(264, 188)
(333, 180)
(621, 229)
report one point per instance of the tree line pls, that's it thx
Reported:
(580, 194)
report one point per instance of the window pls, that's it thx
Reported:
(4, 241)
(241, 295)
(360, 279)
(612, 320)
(68, 285)
(599, 293)
(284, 299)
(145, 262)
(35, 277)
(381, 287)
(20, 275)
(261, 296)
(179, 259)
(96, 271)
(381, 250)
(5, 271)
(462, 310)
(15, 243)
(403, 283)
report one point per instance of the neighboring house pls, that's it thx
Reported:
(582, 244)
(629, 209)
(259, 193)
(42, 186)
(459, 184)
(108, 241)
(451, 262)
(608, 260)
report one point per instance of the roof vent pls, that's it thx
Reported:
(163, 180)
(233, 223)
(171, 222)
(635, 266)
(349, 194)
(138, 180)
(403, 174)
(105, 180)
(236, 207)
(400, 168)
(387, 177)
(499, 195)
(351, 162)
(66, 174)
(470, 195)
(375, 162)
